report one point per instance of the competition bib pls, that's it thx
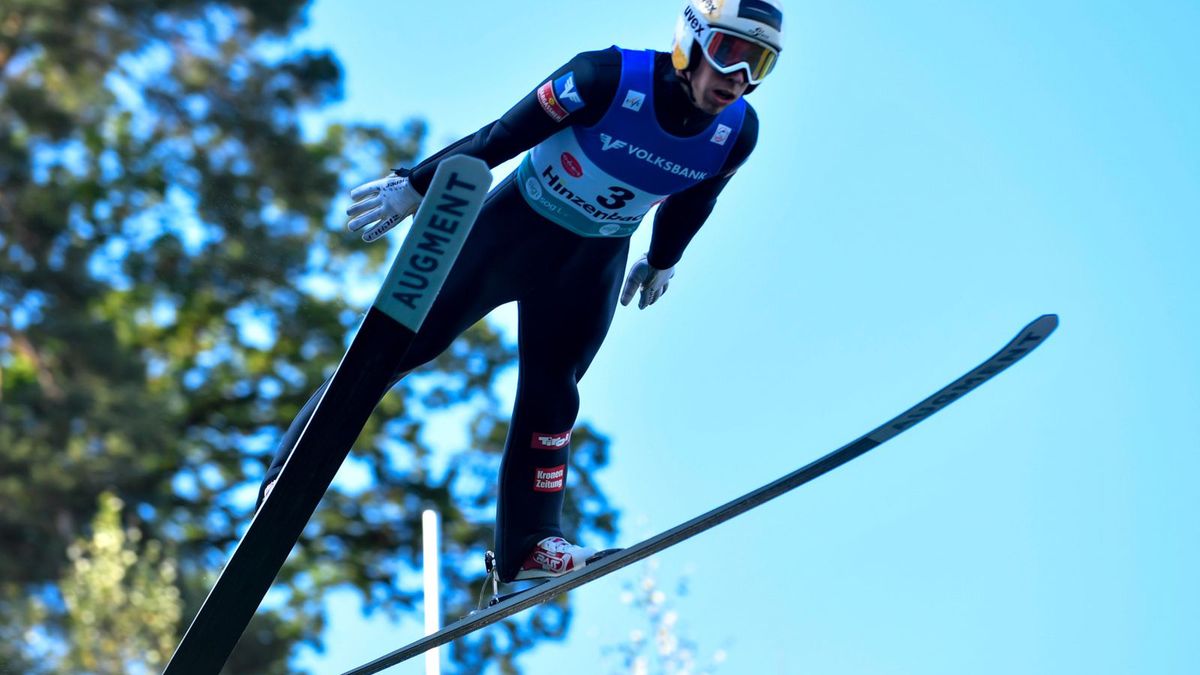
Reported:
(600, 181)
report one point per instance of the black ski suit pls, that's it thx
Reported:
(566, 286)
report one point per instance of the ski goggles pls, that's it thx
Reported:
(728, 52)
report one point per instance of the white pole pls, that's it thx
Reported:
(431, 531)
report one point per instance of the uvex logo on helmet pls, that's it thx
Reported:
(694, 22)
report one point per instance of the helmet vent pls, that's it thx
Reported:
(762, 12)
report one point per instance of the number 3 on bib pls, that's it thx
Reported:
(618, 198)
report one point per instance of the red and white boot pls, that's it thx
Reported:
(553, 557)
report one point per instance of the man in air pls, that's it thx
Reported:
(609, 135)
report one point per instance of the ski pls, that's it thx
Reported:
(489, 564)
(439, 229)
(1025, 341)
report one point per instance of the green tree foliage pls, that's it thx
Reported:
(122, 604)
(174, 283)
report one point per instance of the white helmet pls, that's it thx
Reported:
(732, 34)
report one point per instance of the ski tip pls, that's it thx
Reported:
(1035, 333)
(1045, 324)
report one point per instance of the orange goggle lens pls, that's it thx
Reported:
(728, 53)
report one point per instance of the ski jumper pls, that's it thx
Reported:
(610, 134)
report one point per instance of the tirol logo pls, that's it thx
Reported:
(551, 441)
(634, 100)
(571, 165)
(549, 480)
(721, 135)
(534, 188)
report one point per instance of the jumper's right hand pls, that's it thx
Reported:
(381, 205)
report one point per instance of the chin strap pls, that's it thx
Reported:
(685, 78)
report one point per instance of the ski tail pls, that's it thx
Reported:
(360, 380)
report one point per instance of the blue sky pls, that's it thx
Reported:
(929, 178)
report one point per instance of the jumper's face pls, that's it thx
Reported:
(714, 91)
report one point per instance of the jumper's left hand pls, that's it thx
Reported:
(652, 283)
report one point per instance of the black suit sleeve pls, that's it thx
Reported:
(682, 214)
(528, 123)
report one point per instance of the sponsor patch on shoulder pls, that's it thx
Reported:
(567, 94)
(549, 480)
(550, 102)
(721, 135)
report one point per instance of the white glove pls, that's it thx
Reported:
(381, 205)
(652, 282)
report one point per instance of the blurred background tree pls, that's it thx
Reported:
(655, 641)
(174, 283)
(122, 605)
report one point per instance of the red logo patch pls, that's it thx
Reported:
(550, 441)
(555, 562)
(571, 165)
(550, 102)
(549, 480)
